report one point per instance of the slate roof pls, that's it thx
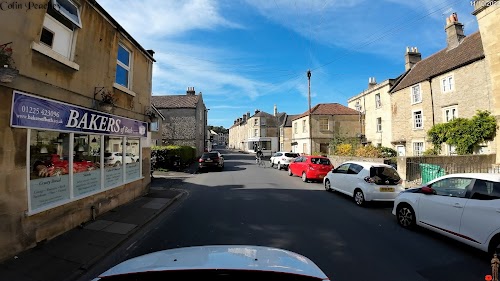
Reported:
(288, 120)
(329, 109)
(469, 51)
(175, 101)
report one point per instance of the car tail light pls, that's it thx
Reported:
(369, 180)
(201, 160)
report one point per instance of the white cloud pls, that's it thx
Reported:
(160, 18)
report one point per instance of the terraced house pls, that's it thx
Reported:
(454, 82)
(75, 87)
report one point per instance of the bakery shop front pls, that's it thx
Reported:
(75, 152)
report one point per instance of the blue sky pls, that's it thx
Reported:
(247, 55)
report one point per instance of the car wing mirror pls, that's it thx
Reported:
(428, 190)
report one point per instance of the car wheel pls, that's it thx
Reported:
(405, 216)
(272, 163)
(290, 172)
(359, 197)
(279, 166)
(494, 247)
(137, 160)
(304, 177)
(328, 185)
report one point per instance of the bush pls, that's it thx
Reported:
(388, 152)
(344, 149)
(165, 155)
(369, 151)
(431, 151)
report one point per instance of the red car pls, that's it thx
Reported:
(310, 167)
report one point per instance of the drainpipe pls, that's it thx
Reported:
(432, 100)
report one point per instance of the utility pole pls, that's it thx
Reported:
(309, 99)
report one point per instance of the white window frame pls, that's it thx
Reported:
(452, 150)
(417, 152)
(256, 122)
(304, 126)
(448, 84)
(128, 68)
(378, 101)
(453, 110)
(324, 126)
(416, 97)
(295, 126)
(59, 7)
(379, 124)
(255, 132)
(415, 120)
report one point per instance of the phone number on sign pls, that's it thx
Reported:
(36, 110)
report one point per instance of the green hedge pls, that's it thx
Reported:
(165, 154)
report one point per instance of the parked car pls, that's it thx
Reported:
(310, 167)
(365, 181)
(282, 159)
(212, 159)
(116, 158)
(464, 207)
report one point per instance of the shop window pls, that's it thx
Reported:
(113, 161)
(49, 168)
(132, 156)
(86, 164)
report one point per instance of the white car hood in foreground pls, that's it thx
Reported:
(232, 257)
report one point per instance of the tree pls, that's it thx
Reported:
(465, 134)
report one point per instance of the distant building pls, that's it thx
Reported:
(185, 119)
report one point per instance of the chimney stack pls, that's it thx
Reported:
(151, 52)
(371, 82)
(257, 111)
(235, 121)
(190, 91)
(454, 31)
(412, 56)
(244, 117)
(248, 115)
(275, 110)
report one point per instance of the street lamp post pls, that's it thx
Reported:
(309, 100)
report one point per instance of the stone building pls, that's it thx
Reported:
(487, 14)
(374, 106)
(67, 154)
(185, 119)
(328, 120)
(454, 82)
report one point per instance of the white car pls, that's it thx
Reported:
(365, 181)
(116, 158)
(465, 207)
(282, 159)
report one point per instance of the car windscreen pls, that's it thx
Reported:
(293, 155)
(320, 161)
(209, 155)
(384, 175)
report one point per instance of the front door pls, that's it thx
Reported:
(401, 150)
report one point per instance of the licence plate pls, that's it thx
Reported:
(387, 189)
(208, 160)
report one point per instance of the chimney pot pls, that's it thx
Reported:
(190, 91)
(454, 31)
(412, 56)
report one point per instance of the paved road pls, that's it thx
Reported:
(246, 204)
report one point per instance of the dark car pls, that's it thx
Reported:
(212, 159)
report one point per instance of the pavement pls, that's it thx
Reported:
(70, 255)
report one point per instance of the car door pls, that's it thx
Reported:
(481, 215)
(294, 165)
(338, 177)
(443, 210)
(351, 178)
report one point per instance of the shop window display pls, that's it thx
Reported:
(86, 164)
(133, 154)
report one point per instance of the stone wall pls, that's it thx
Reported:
(410, 168)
